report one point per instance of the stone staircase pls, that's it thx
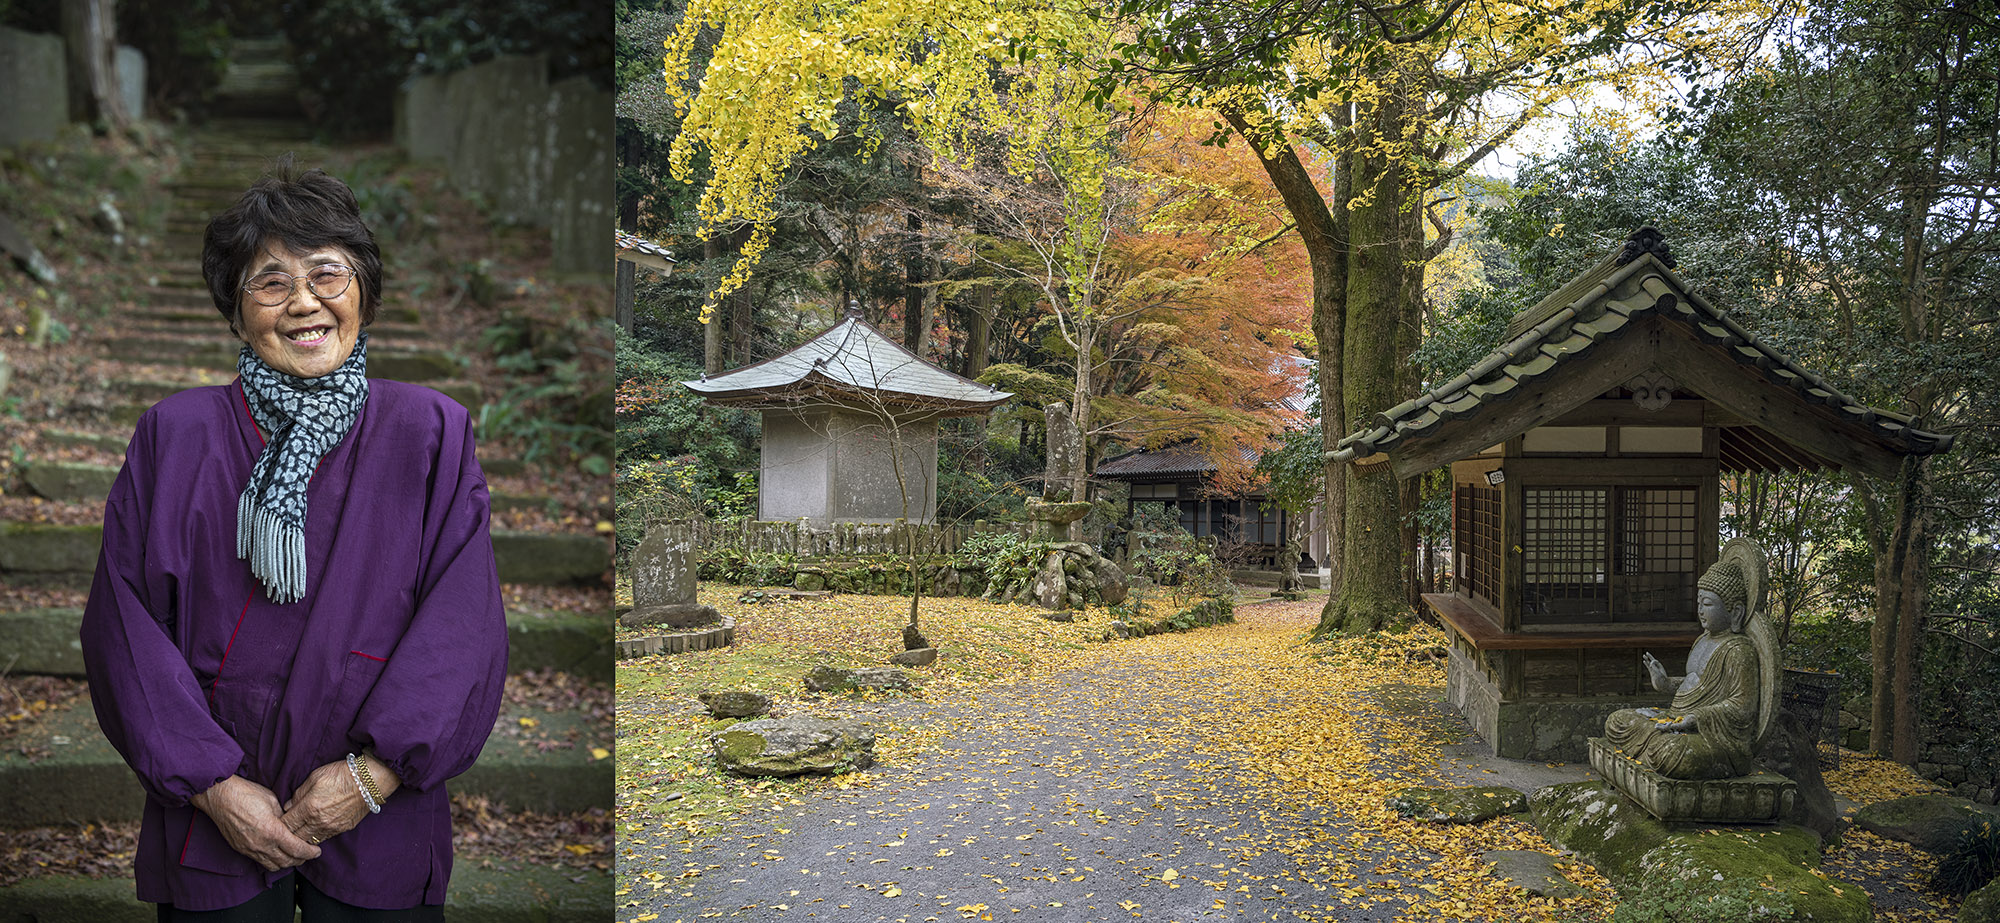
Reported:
(58, 769)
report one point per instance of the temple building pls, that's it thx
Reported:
(1586, 455)
(850, 426)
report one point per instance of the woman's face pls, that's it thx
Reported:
(304, 336)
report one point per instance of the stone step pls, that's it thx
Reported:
(68, 481)
(44, 642)
(551, 558)
(77, 777)
(62, 553)
(531, 894)
(70, 438)
(466, 393)
(219, 353)
(233, 132)
(181, 322)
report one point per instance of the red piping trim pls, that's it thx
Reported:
(217, 681)
(186, 840)
(371, 656)
(244, 399)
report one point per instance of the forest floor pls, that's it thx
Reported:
(1230, 772)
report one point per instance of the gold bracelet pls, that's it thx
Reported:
(368, 781)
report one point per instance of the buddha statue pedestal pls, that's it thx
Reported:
(1759, 798)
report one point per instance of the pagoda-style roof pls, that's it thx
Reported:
(635, 249)
(851, 364)
(1631, 323)
(1182, 459)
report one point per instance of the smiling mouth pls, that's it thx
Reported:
(308, 336)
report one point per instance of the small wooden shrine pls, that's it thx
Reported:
(1586, 456)
(838, 412)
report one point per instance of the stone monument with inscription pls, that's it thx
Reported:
(663, 583)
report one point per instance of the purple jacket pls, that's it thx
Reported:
(400, 643)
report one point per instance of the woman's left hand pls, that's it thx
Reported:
(329, 803)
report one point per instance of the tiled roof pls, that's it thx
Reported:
(638, 249)
(854, 361)
(1565, 326)
(1184, 459)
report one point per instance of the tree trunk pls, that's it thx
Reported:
(631, 149)
(1323, 230)
(628, 296)
(916, 333)
(1371, 586)
(91, 41)
(1409, 334)
(1902, 564)
(978, 331)
(711, 334)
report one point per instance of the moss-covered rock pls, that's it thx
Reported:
(793, 746)
(1727, 875)
(1592, 820)
(1467, 805)
(1981, 906)
(1929, 822)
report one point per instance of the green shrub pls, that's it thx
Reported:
(1971, 863)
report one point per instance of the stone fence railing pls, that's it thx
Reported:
(840, 541)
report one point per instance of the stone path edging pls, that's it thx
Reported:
(679, 642)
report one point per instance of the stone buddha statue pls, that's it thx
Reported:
(1725, 705)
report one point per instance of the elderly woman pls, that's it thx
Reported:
(295, 633)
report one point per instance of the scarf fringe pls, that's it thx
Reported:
(275, 548)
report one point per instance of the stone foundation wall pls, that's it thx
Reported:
(1540, 729)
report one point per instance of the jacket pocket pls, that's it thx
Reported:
(357, 679)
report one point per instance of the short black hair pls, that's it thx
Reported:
(304, 211)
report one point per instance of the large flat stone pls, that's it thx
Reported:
(1759, 798)
(1932, 823)
(103, 442)
(43, 641)
(58, 480)
(524, 894)
(545, 558)
(411, 366)
(570, 642)
(174, 349)
(41, 548)
(76, 776)
(539, 558)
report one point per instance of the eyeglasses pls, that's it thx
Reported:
(328, 280)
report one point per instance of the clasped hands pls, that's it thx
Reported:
(278, 836)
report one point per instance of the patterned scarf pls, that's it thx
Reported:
(304, 419)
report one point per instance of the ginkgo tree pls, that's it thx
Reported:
(1014, 131)
(1403, 99)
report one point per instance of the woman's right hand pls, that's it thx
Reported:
(250, 819)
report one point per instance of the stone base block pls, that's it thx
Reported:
(1760, 798)
(1548, 728)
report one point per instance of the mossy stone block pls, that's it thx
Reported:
(1467, 805)
(49, 549)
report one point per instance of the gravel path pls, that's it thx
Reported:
(1093, 794)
